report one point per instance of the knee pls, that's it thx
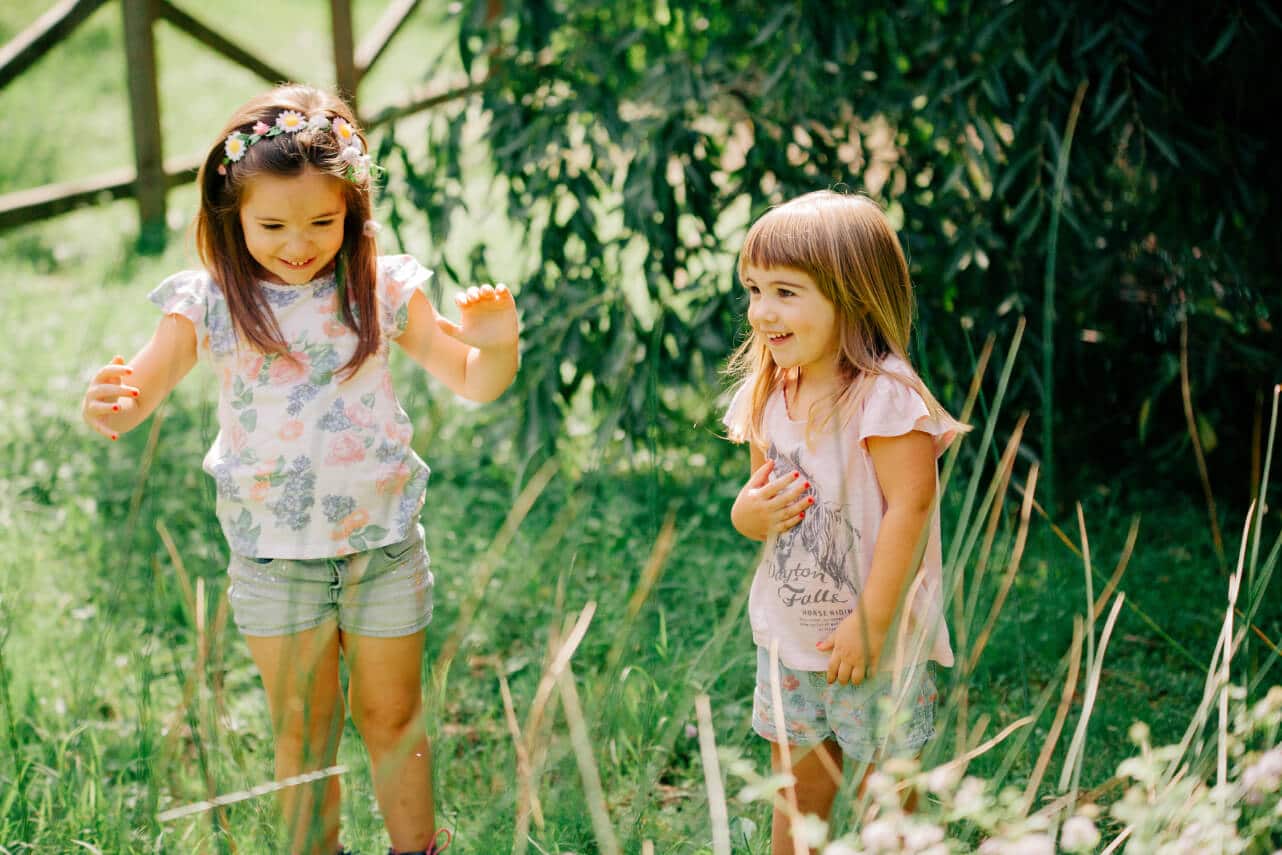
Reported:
(387, 714)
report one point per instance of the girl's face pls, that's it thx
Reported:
(293, 224)
(795, 320)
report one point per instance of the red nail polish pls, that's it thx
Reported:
(796, 475)
(806, 485)
(810, 499)
(803, 515)
(114, 437)
(115, 408)
(135, 394)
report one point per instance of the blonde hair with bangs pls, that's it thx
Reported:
(845, 244)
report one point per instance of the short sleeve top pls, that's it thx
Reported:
(307, 465)
(810, 576)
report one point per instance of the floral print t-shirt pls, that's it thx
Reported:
(307, 466)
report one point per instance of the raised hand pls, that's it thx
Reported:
(768, 505)
(108, 395)
(488, 318)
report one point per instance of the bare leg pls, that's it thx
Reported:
(300, 673)
(386, 697)
(815, 790)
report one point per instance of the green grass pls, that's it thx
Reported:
(120, 696)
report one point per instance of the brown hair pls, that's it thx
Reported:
(221, 241)
(844, 243)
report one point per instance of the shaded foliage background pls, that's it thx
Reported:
(637, 140)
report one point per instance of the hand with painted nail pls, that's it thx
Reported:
(109, 395)
(488, 318)
(767, 505)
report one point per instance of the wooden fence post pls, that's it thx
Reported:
(144, 115)
(346, 75)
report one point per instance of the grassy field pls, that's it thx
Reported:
(125, 691)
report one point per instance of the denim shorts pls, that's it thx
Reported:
(384, 592)
(870, 721)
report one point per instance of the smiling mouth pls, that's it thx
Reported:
(778, 338)
(297, 265)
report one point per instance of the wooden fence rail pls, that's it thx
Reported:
(152, 175)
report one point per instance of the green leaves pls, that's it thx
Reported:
(637, 142)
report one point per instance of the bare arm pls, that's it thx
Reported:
(905, 467)
(122, 394)
(476, 359)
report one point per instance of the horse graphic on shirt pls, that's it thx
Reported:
(814, 561)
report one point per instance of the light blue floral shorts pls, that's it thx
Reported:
(384, 592)
(869, 721)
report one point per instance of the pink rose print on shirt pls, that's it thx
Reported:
(292, 370)
(398, 432)
(789, 682)
(259, 491)
(395, 482)
(359, 415)
(346, 449)
(291, 429)
(334, 328)
(356, 519)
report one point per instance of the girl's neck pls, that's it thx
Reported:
(802, 388)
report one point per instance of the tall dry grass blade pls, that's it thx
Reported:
(1131, 537)
(994, 502)
(593, 792)
(1065, 701)
(963, 518)
(1186, 395)
(561, 647)
(1263, 487)
(184, 580)
(1012, 567)
(1119, 840)
(645, 585)
(253, 792)
(1090, 589)
(489, 563)
(647, 847)
(972, 395)
(1072, 765)
(1235, 585)
(527, 801)
(964, 759)
(785, 753)
(144, 469)
(717, 812)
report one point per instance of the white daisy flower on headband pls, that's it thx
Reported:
(235, 146)
(351, 154)
(345, 133)
(291, 122)
(318, 122)
(371, 228)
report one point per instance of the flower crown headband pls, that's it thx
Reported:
(359, 164)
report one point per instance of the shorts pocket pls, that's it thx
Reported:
(398, 551)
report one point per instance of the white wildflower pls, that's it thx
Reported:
(921, 836)
(1079, 835)
(880, 835)
(840, 847)
(1033, 844)
(942, 779)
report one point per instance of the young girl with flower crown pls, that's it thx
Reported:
(318, 489)
(843, 438)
